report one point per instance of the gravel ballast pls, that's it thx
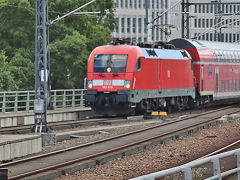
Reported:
(163, 156)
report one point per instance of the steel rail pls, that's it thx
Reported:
(57, 124)
(111, 150)
(224, 149)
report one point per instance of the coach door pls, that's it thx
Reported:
(216, 80)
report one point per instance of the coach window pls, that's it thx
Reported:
(222, 85)
(234, 85)
(237, 54)
(215, 56)
(237, 84)
(234, 57)
(210, 70)
(222, 57)
(226, 84)
(230, 85)
(219, 56)
(138, 65)
(230, 56)
(202, 70)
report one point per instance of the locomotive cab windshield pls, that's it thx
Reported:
(110, 63)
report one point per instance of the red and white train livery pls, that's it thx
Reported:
(122, 78)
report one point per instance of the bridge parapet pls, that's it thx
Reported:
(23, 101)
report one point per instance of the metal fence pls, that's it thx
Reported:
(16, 101)
(187, 169)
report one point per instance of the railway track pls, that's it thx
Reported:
(61, 125)
(79, 123)
(89, 152)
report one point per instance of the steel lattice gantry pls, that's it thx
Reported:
(185, 19)
(42, 64)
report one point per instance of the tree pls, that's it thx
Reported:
(71, 40)
(6, 78)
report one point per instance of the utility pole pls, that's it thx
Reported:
(42, 66)
(42, 99)
(149, 29)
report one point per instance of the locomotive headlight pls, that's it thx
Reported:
(90, 84)
(127, 84)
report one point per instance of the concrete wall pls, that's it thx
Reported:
(13, 146)
(16, 119)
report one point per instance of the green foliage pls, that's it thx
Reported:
(6, 77)
(71, 41)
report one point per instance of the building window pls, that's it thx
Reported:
(128, 24)
(116, 3)
(145, 25)
(203, 9)
(211, 8)
(123, 25)
(162, 4)
(166, 4)
(157, 4)
(200, 8)
(157, 34)
(139, 3)
(134, 25)
(207, 23)
(126, 3)
(153, 3)
(207, 8)
(166, 18)
(161, 20)
(226, 37)
(139, 25)
(153, 34)
(203, 23)
(121, 3)
(195, 22)
(195, 8)
(117, 28)
(135, 3)
(211, 22)
(130, 4)
(199, 23)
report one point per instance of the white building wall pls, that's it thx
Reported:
(131, 20)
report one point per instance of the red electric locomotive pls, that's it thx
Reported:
(123, 78)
